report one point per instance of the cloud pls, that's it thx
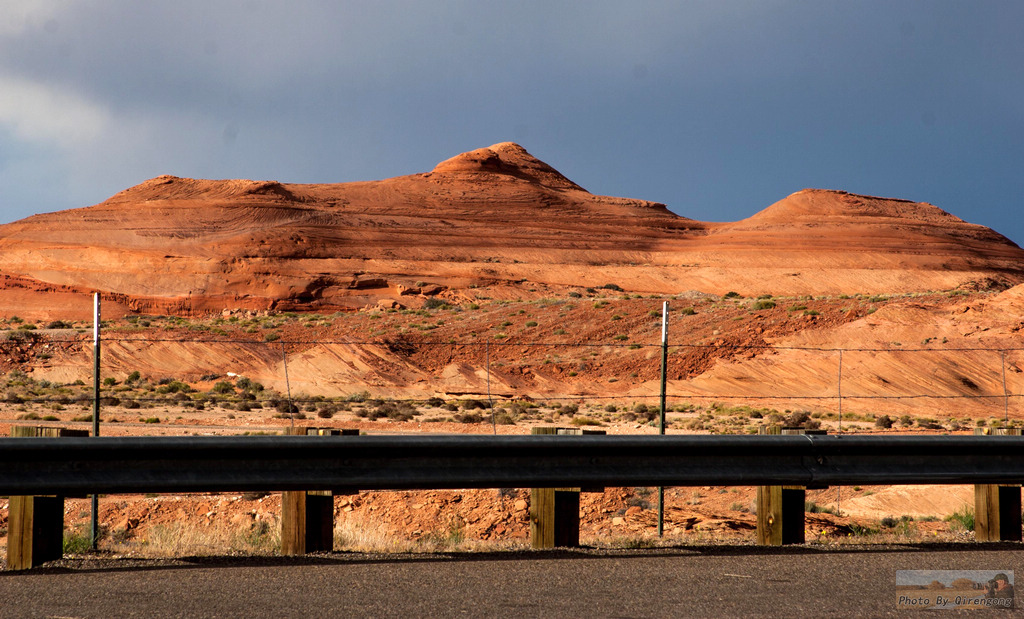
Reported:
(21, 15)
(36, 112)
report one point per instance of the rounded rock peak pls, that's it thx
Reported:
(813, 204)
(509, 159)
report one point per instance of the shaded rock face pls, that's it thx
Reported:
(494, 217)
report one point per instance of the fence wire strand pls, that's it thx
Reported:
(410, 344)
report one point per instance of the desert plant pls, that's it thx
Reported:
(223, 387)
(961, 519)
(76, 542)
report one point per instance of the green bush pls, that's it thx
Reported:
(962, 518)
(763, 305)
(76, 542)
(223, 387)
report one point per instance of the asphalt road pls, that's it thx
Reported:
(716, 581)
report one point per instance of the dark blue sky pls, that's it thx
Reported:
(716, 108)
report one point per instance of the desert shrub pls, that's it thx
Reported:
(435, 402)
(360, 396)
(59, 324)
(503, 417)
(284, 407)
(732, 294)
(883, 421)
(963, 519)
(643, 412)
(763, 305)
(614, 287)
(434, 304)
(801, 419)
(888, 522)
(575, 295)
(468, 417)
(813, 508)
(76, 542)
(173, 386)
(568, 409)
(223, 387)
(20, 336)
(397, 411)
(584, 421)
(473, 404)
(610, 408)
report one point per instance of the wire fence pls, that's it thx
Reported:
(958, 381)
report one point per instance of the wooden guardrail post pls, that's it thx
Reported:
(997, 515)
(35, 524)
(780, 509)
(555, 512)
(307, 516)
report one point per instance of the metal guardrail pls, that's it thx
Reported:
(75, 466)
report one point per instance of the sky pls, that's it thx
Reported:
(716, 108)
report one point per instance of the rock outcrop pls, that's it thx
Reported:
(493, 217)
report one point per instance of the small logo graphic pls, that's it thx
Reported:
(953, 589)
